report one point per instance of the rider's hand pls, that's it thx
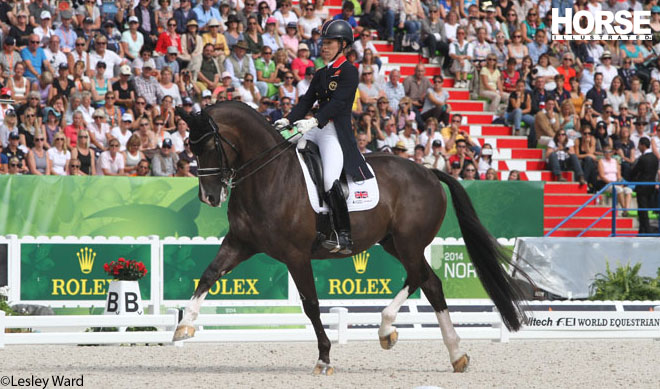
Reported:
(281, 123)
(306, 124)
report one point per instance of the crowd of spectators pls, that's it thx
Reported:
(89, 87)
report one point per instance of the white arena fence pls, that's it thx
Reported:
(348, 319)
(343, 326)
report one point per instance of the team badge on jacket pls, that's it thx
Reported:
(332, 85)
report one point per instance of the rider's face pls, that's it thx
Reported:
(330, 48)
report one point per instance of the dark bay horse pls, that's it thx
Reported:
(269, 212)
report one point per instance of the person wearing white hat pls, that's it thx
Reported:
(132, 40)
(44, 29)
(216, 38)
(37, 9)
(122, 132)
(300, 64)
(123, 88)
(146, 85)
(169, 60)
(608, 70)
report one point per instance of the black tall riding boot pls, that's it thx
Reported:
(341, 241)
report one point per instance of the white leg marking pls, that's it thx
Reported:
(389, 313)
(449, 335)
(192, 310)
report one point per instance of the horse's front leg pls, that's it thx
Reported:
(231, 253)
(301, 272)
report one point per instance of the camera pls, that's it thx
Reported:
(534, 71)
(231, 89)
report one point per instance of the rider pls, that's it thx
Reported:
(334, 87)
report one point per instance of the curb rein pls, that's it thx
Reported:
(228, 175)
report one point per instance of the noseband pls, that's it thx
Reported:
(227, 174)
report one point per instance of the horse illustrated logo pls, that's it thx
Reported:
(86, 258)
(360, 262)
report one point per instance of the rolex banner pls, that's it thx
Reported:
(64, 271)
(258, 278)
(371, 274)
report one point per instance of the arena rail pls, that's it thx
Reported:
(343, 326)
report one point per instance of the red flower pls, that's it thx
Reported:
(106, 267)
(122, 260)
(115, 272)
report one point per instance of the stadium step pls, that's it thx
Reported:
(519, 164)
(592, 233)
(563, 211)
(403, 58)
(584, 222)
(493, 130)
(466, 105)
(458, 94)
(568, 199)
(510, 142)
(564, 188)
(383, 46)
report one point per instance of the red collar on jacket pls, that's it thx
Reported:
(338, 62)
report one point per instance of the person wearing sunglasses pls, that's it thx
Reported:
(59, 155)
(111, 161)
(35, 59)
(530, 25)
(14, 166)
(461, 53)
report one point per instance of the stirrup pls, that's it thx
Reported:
(332, 244)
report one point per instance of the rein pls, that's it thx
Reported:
(228, 175)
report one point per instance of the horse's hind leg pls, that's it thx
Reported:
(231, 253)
(301, 272)
(432, 288)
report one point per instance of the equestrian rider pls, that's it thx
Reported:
(334, 87)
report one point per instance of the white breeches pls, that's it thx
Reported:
(331, 154)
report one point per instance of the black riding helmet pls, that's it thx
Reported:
(338, 29)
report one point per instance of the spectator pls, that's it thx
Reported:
(434, 155)
(111, 161)
(65, 32)
(635, 96)
(314, 44)
(122, 133)
(519, 108)
(71, 131)
(585, 148)
(146, 85)
(284, 16)
(500, 49)
(37, 159)
(59, 155)
(142, 169)
(51, 125)
(435, 103)
(469, 172)
(183, 169)
(303, 85)
(287, 89)
(301, 63)
(99, 130)
(170, 61)
(390, 136)
(27, 129)
(183, 15)
(511, 24)
(561, 156)
(491, 175)
(164, 162)
(15, 150)
(409, 136)
(290, 40)
(510, 76)
(369, 91)
(248, 91)
(14, 166)
(606, 69)
(463, 155)
(461, 52)
(485, 160)
(21, 31)
(80, 80)
(645, 170)
(205, 12)
(517, 49)
(252, 36)
(114, 38)
(546, 123)
(132, 155)
(217, 39)
(308, 22)
(187, 155)
(434, 36)
(364, 43)
(18, 84)
(124, 91)
(101, 54)
(83, 156)
(481, 47)
(491, 83)
(514, 175)
(191, 46)
(272, 38)
(455, 170)
(147, 19)
(347, 11)
(538, 46)
(4, 161)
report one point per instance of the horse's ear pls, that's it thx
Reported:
(185, 116)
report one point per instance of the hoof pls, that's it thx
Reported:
(323, 368)
(461, 364)
(183, 332)
(387, 342)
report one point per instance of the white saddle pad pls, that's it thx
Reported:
(363, 195)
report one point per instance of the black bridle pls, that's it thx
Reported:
(227, 174)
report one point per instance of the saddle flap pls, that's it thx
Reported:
(312, 157)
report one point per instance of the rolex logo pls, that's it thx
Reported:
(360, 262)
(86, 259)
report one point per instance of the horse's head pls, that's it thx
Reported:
(211, 149)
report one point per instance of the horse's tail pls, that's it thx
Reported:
(487, 255)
